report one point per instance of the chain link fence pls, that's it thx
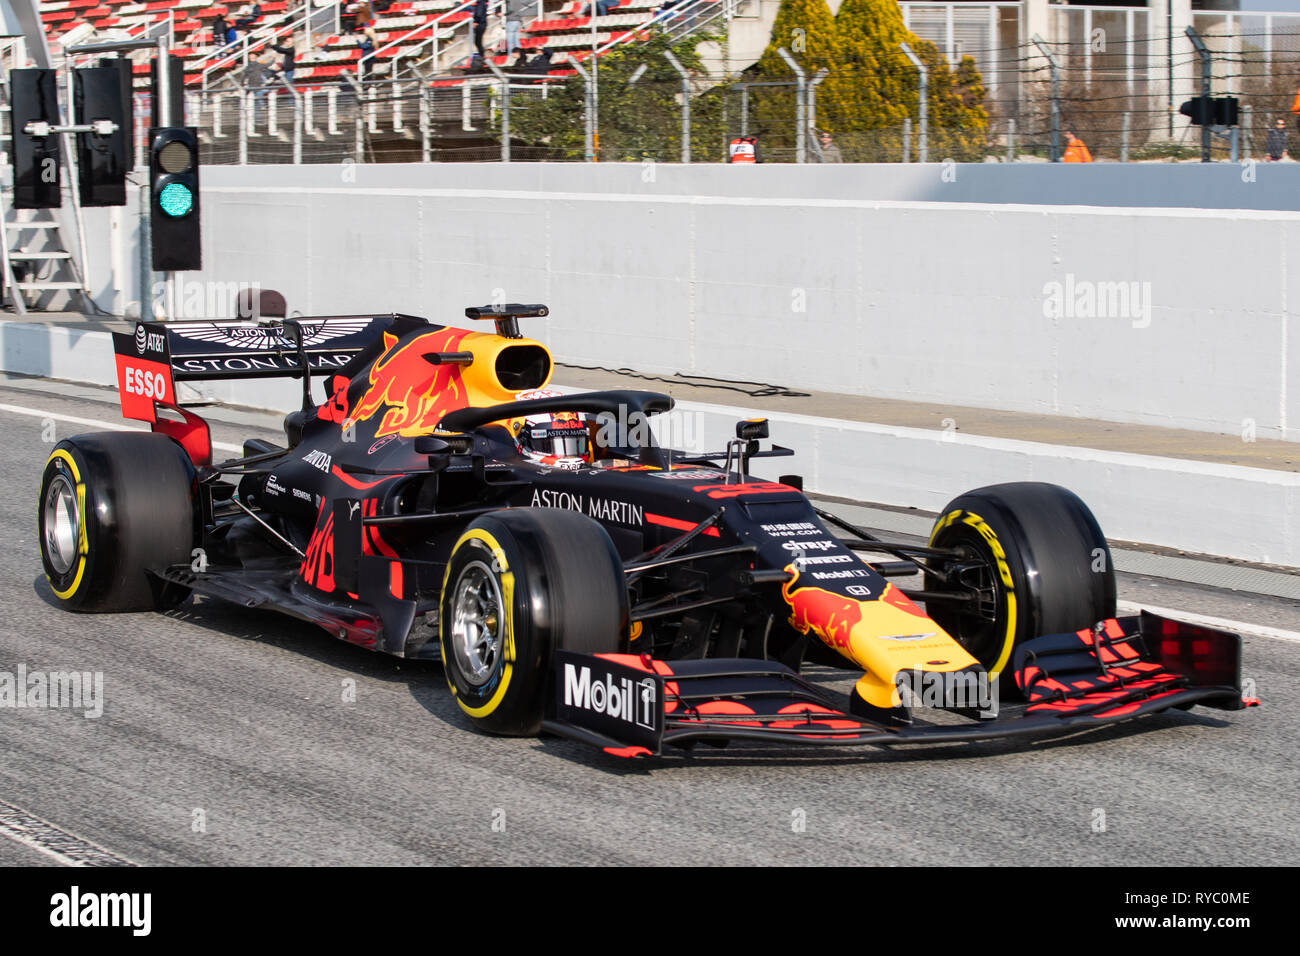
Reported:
(1112, 92)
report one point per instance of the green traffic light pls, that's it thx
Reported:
(176, 200)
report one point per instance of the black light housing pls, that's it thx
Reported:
(174, 199)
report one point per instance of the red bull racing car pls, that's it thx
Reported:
(441, 501)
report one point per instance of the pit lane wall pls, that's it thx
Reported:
(899, 282)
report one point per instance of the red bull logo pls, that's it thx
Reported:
(896, 598)
(830, 616)
(416, 393)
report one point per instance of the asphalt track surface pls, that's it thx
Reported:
(226, 740)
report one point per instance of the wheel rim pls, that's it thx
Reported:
(476, 623)
(976, 626)
(62, 524)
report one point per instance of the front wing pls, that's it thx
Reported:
(637, 706)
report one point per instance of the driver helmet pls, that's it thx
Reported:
(554, 435)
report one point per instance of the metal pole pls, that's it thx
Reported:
(1203, 51)
(426, 151)
(216, 126)
(686, 104)
(505, 107)
(1011, 141)
(744, 109)
(923, 105)
(1123, 139)
(164, 94)
(297, 130)
(245, 117)
(360, 124)
(907, 139)
(812, 96)
(1056, 96)
(1245, 124)
(70, 153)
(1169, 60)
(589, 131)
(800, 106)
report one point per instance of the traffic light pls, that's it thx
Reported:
(174, 198)
(104, 93)
(1200, 110)
(34, 99)
(1211, 111)
(1226, 111)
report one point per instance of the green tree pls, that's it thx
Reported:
(875, 85)
(958, 122)
(640, 120)
(871, 86)
(806, 29)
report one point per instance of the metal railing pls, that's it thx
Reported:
(676, 23)
(433, 40)
(257, 40)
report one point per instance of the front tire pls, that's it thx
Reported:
(1036, 561)
(114, 505)
(520, 584)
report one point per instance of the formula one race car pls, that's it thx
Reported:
(575, 577)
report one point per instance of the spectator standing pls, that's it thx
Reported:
(1276, 146)
(256, 77)
(516, 10)
(480, 26)
(219, 27)
(368, 40)
(1075, 150)
(830, 153)
(290, 56)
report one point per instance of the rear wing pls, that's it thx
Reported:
(158, 355)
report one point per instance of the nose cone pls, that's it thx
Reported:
(883, 633)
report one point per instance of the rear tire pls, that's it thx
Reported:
(112, 506)
(1039, 558)
(520, 584)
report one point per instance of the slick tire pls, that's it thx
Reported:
(1040, 563)
(520, 584)
(112, 506)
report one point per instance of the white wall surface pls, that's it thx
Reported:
(857, 279)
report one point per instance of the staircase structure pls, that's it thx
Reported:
(38, 256)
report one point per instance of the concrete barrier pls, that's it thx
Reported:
(1156, 316)
(892, 281)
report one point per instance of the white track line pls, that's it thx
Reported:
(58, 844)
(1221, 623)
(98, 423)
